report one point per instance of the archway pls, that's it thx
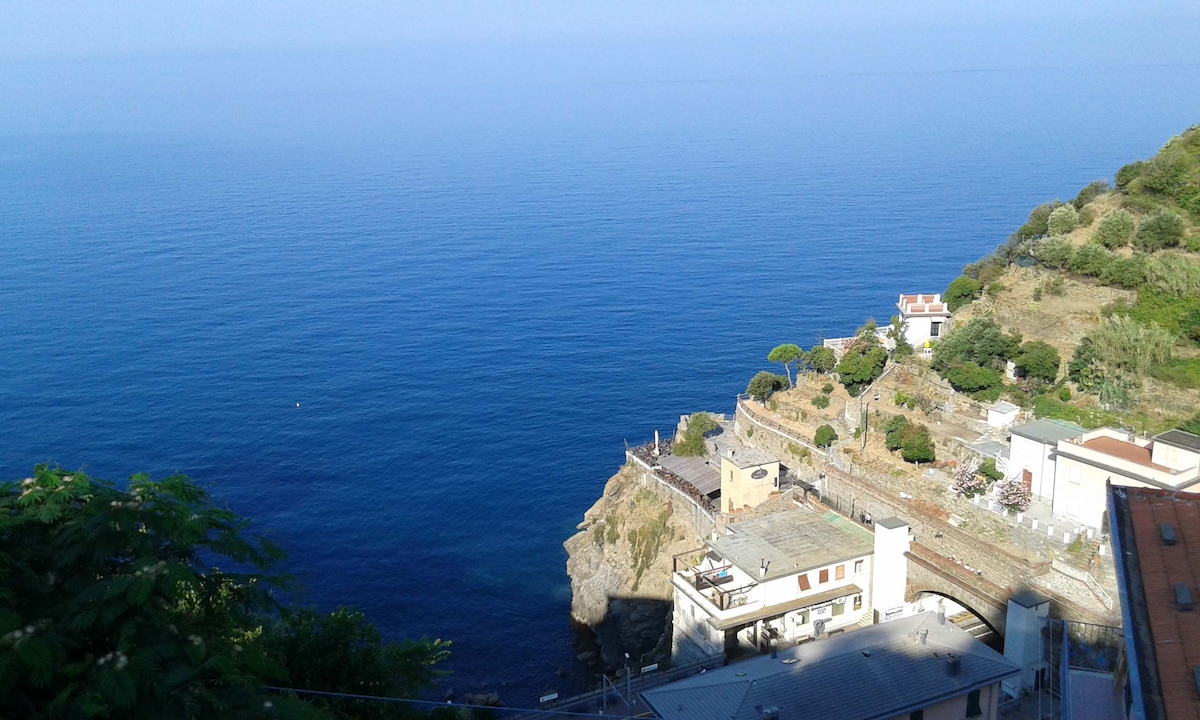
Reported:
(975, 623)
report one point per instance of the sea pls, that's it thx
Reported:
(408, 330)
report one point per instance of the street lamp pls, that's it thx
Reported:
(628, 684)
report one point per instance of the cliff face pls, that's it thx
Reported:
(619, 564)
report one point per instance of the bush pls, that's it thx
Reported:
(827, 388)
(692, 442)
(1063, 220)
(1093, 190)
(1129, 173)
(893, 432)
(1064, 393)
(1038, 360)
(1054, 252)
(962, 291)
(820, 401)
(988, 470)
(980, 341)
(1115, 229)
(1087, 215)
(822, 359)
(764, 383)
(862, 364)
(825, 436)
(1056, 287)
(1125, 272)
(1037, 294)
(1090, 259)
(1161, 229)
(968, 377)
(1038, 222)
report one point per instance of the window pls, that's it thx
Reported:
(803, 580)
(916, 715)
(858, 602)
(839, 607)
(973, 709)
(935, 329)
(858, 565)
(839, 573)
(824, 576)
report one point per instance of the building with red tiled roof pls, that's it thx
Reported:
(1168, 461)
(1156, 544)
(923, 317)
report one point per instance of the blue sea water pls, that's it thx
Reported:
(408, 333)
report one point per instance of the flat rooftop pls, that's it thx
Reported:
(1048, 432)
(792, 542)
(877, 673)
(699, 471)
(1123, 450)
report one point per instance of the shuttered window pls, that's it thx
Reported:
(825, 575)
(804, 584)
(839, 573)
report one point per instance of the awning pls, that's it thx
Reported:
(773, 611)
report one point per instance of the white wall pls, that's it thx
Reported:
(1031, 455)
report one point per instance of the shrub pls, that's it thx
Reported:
(1093, 190)
(1173, 275)
(862, 364)
(893, 438)
(1064, 393)
(827, 388)
(1090, 259)
(1129, 173)
(988, 470)
(822, 359)
(1038, 360)
(1087, 215)
(980, 341)
(1161, 229)
(825, 436)
(962, 291)
(1054, 252)
(918, 445)
(1055, 286)
(1063, 220)
(764, 383)
(691, 444)
(1037, 294)
(1115, 229)
(1013, 495)
(1038, 221)
(820, 401)
(1125, 272)
(971, 378)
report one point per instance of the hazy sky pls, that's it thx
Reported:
(36, 29)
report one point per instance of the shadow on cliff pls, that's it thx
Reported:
(638, 626)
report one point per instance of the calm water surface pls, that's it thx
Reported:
(408, 332)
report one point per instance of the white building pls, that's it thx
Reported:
(1168, 461)
(1032, 453)
(1002, 414)
(776, 579)
(923, 317)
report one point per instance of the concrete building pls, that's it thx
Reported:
(777, 579)
(921, 667)
(1169, 461)
(748, 477)
(1032, 453)
(1155, 534)
(923, 317)
(1002, 414)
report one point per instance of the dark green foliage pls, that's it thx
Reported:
(971, 378)
(111, 607)
(698, 426)
(825, 436)
(1123, 272)
(1166, 173)
(764, 384)
(822, 359)
(1129, 173)
(1038, 222)
(1038, 360)
(988, 268)
(1115, 229)
(911, 439)
(1161, 229)
(1083, 368)
(785, 355)
(827, 388)
(988, 470)
(962, 290)
(981, 341)
(820, 401)
(1093, 190)
(1064, 393)
(1087, 215)
(342, 652)
(861, 365)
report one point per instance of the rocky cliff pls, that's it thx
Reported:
(620, 566)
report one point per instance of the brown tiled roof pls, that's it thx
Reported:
(921, 305)
(1124, 450)
(1174, 633)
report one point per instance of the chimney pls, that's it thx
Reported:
(923, 635)
(952, 664)
(762, 568)
(1183, 596)
(1167, 532)
(941, 613)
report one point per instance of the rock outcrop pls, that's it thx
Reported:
(619, 564)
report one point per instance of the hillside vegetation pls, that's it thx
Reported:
(1096, 301)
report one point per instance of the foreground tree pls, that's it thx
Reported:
(110, 605)
(786, 354)
(763, 384)
(822, 359)
(863, 361)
